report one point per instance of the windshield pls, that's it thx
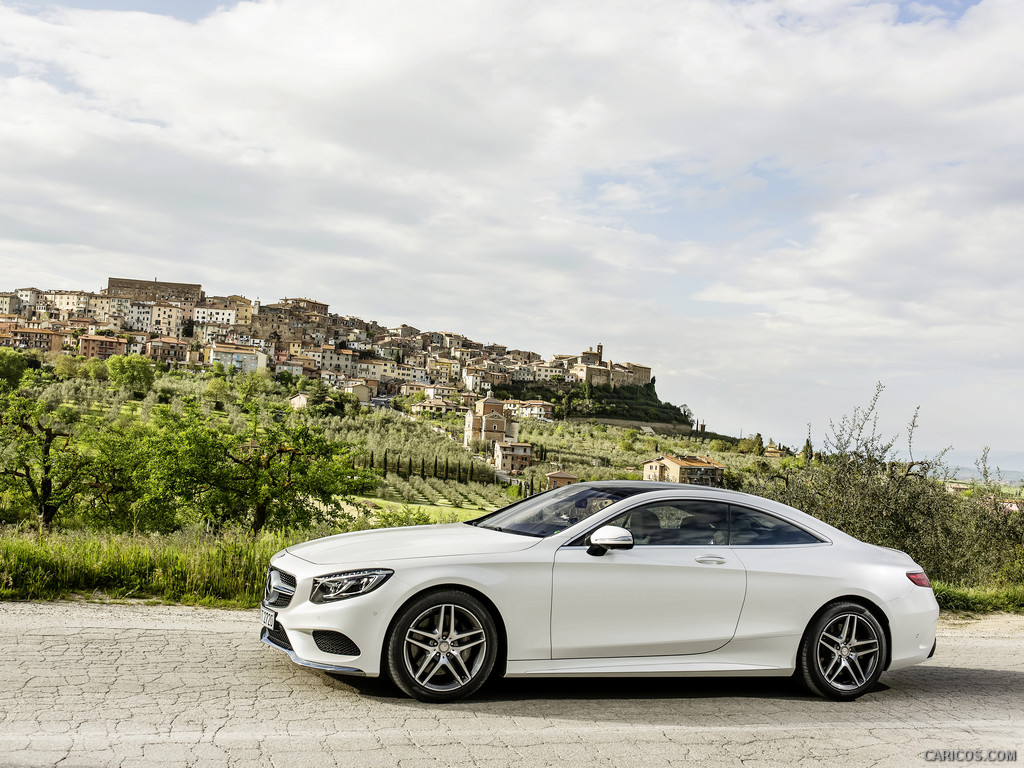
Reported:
(553, 511)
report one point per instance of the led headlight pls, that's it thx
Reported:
(341, 586)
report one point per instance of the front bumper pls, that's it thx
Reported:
(344, 637)
(277, 638)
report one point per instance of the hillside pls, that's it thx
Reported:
(585, 400)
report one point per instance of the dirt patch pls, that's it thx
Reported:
(981, 625)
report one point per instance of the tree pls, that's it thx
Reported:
(123, 482)
(131, 372)
(39, 457)
(808, 451)
(217, 389)
(67, 366)
(317, 392)
(272, 473)
(252, 384)
(96, 369)
(12, 366)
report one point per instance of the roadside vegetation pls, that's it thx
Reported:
(129, 481)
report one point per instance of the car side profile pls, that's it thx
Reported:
(603, 579)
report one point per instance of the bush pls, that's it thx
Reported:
(862, 487)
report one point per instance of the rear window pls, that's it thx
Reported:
(752, 528)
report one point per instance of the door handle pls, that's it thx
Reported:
(711, 560)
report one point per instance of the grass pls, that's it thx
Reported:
(189, 567)
(192, 568)
(436, 513)
(228, 570)
(958, 599)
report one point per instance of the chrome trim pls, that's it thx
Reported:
(275, 585)
(313, 664)
(612, 537)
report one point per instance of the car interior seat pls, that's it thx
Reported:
(645, 525)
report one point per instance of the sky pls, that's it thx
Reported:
(777, 204)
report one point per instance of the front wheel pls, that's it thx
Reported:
(842, 652)
(442, 647)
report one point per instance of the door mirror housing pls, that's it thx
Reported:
(609, 537)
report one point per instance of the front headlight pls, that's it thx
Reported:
(341, 586)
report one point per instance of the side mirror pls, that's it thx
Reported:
(609, 537)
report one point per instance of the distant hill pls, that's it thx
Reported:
(1008, 476)
(1010, 465)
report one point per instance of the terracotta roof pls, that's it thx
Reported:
(688, 461)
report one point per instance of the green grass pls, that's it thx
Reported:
(957, 599)
(178, 568)
(228, 570)
(189, 567)
(436, 513)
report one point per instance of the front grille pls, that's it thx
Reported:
(335, 642)
(279, 588)
(278, 637)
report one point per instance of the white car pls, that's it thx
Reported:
(603, 579)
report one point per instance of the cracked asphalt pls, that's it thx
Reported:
(84, 684)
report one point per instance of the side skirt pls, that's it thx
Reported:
(769, 656)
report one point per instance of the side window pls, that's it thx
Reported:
(753, 528)
(677, 523)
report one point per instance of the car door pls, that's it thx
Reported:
(791, 572)
(679, 590)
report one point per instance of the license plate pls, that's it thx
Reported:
(268, 617)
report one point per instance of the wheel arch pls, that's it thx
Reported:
(499, 621)
(870, 606)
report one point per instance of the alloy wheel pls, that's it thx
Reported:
(444, 648)
(848, 652)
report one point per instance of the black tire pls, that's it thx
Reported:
(442, 647)
(842, 652)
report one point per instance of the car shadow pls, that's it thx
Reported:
(591, 688)
(658, 700)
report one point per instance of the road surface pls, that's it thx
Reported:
(88, 684)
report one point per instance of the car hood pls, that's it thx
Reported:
(448, 540)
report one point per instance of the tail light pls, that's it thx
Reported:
(919, 577)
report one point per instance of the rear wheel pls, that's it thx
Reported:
(442, 647)
(842, 652)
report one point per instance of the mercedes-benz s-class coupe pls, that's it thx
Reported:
(603, 579)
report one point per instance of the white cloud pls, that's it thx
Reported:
(782, 202)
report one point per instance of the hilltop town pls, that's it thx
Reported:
(178, 324)
(436, 373)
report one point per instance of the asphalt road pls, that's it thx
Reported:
(131, 685)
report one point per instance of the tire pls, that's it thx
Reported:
(442, 647)
(842, 652)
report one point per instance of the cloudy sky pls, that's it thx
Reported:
(774, 203)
